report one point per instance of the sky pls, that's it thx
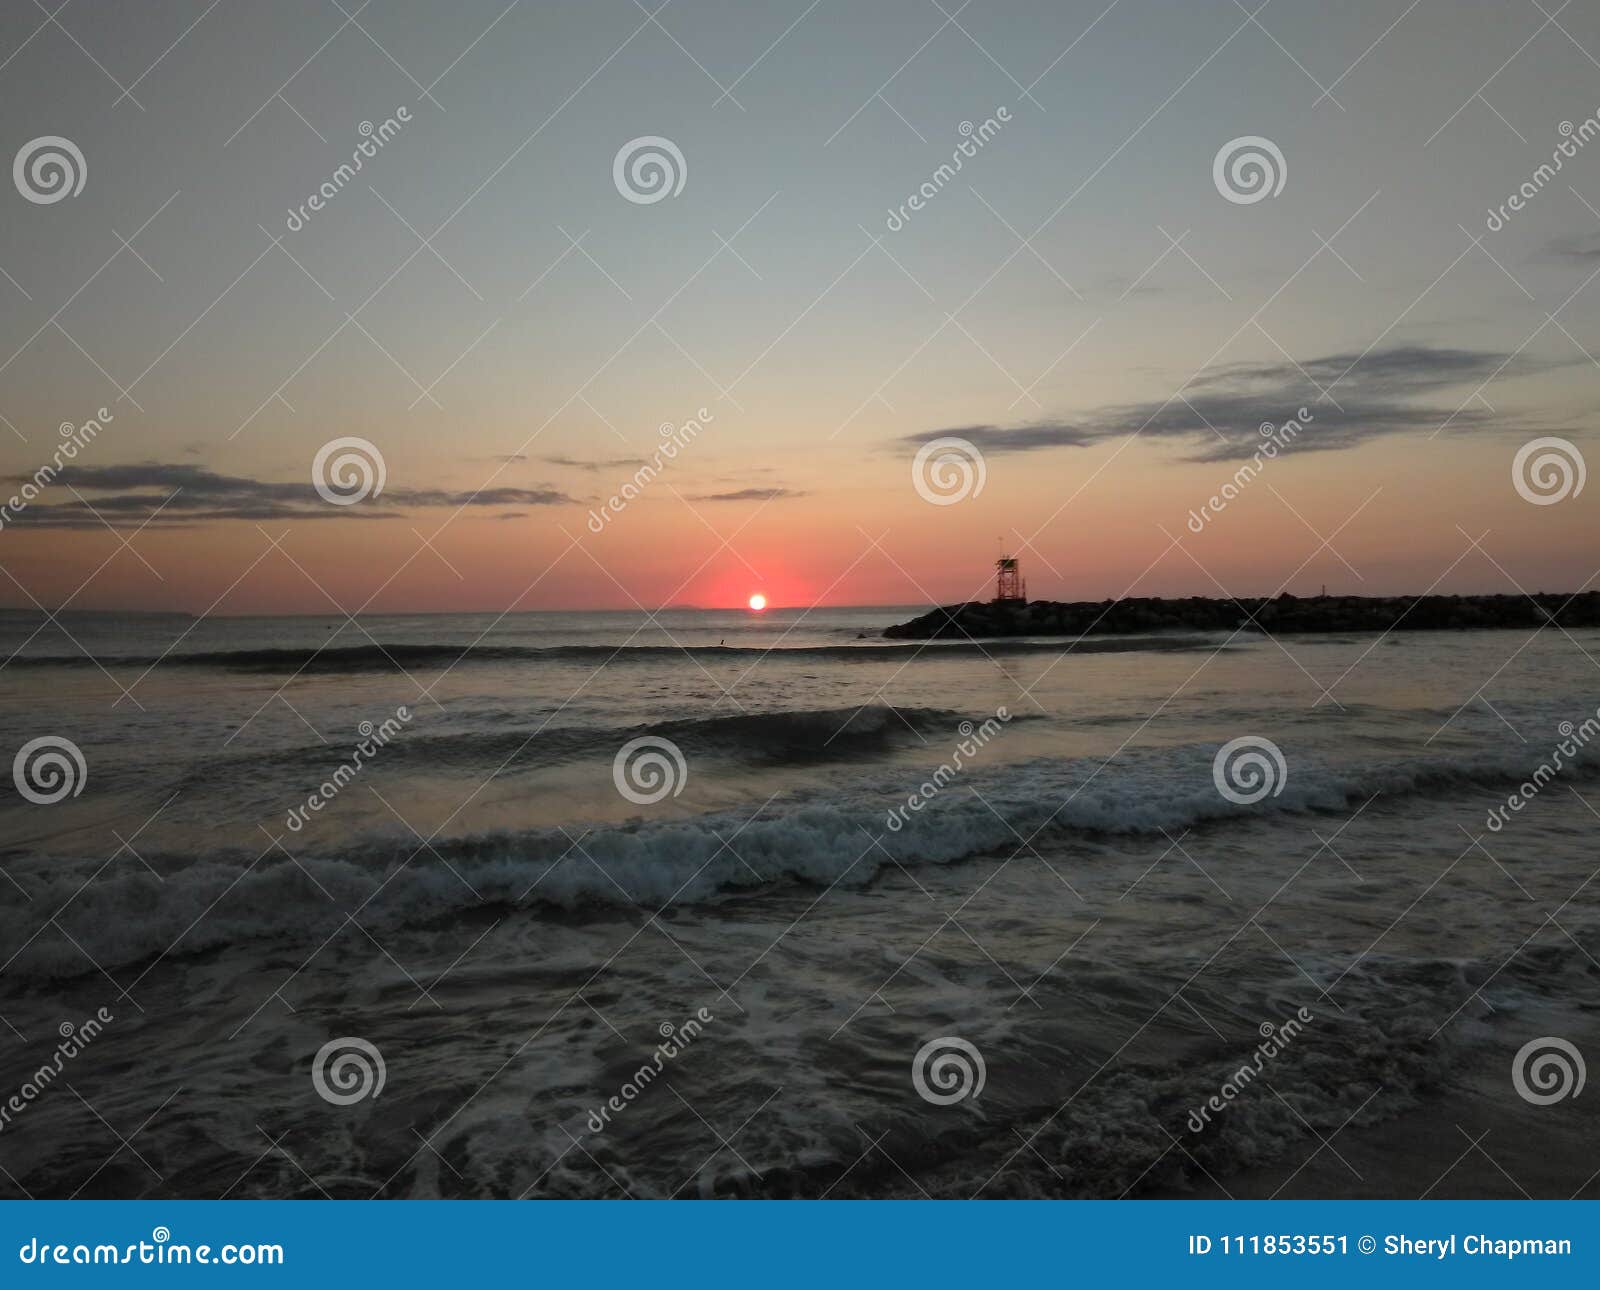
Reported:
(506, 314)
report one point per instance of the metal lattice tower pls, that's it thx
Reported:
(1009, 585)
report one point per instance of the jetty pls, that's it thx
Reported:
(1283, 614)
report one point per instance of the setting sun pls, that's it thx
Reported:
(758, 602)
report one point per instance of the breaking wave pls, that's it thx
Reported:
(202, 903)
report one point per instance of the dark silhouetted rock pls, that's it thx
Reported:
(1280, 615)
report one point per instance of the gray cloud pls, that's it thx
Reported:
(573, 463)
(1026, 438)
(179, 494)
(1584, 248)
(1382, 392)
(751, 495)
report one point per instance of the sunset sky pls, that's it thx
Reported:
(514, 370)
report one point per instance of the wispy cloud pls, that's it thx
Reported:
(1023, 438)
(1383, 392)
(751, 495)
(1584, 248)
(572, 463)
(185, 494)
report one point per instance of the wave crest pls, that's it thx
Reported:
(208, 902)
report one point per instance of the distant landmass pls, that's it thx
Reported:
(1267, 614)
(32, 613)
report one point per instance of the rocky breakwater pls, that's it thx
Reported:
(1271, 614)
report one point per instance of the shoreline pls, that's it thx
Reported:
(1268, 615)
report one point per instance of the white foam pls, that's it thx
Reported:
(205, 902)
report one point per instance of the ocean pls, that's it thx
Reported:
(718, 904)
